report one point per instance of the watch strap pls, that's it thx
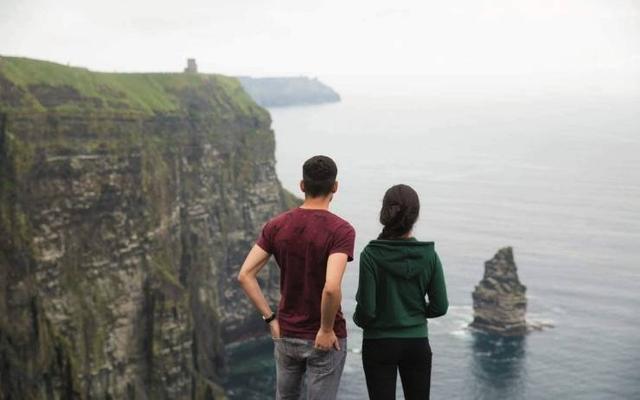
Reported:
(269, 319)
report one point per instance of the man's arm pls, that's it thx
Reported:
(256, 259)
(331, 297)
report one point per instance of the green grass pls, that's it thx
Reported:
(147, 93)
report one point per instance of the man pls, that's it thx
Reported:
(311, 246)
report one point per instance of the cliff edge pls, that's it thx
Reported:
(127, 204)
(499, 301)
(288, 91)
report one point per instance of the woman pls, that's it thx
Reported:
(396, 272)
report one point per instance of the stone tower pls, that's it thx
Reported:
(192, 67)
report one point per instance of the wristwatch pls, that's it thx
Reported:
(269, 319)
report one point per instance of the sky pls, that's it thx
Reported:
(334, 37)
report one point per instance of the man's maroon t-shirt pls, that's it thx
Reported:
(301, 241)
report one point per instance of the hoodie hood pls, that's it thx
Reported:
(403, 258)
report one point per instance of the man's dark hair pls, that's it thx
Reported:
(400, 210)
(319, 174)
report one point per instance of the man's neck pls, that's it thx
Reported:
(316, 203)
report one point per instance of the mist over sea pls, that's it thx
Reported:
(556, 175)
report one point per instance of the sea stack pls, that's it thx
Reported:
(499, 301)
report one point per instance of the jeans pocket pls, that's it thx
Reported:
(325, 362)
(322, 361)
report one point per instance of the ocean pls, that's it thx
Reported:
(555, 175)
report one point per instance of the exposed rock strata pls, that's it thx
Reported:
(127, 203)
(499, 301)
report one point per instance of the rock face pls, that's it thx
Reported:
(127, 204)
(499, 302)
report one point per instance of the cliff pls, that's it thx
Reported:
(499, 302)
(288, 91)
(127, 204)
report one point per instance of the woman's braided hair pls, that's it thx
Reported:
(400, 210)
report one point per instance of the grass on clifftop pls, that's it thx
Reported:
(41, 85)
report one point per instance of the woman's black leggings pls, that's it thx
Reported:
(383, 358)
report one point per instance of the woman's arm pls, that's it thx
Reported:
(437, 292)
(366, 295)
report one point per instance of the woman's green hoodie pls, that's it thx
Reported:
(395, 276)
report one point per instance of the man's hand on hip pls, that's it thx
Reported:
(325, 340)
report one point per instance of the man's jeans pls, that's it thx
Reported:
(295, 357)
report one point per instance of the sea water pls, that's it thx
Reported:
(556, 176)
